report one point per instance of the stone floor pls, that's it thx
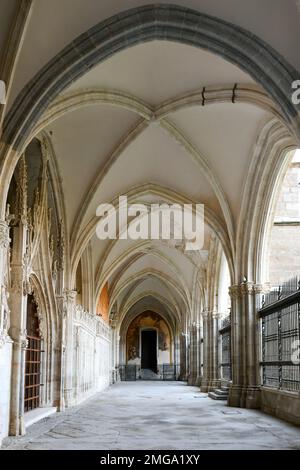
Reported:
(157, 415)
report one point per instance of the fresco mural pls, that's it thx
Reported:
(148, 320)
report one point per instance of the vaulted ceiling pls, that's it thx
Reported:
(160, 121)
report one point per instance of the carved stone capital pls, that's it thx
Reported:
(247, 288)
(235, 292)
(216, 315)
(70, 295)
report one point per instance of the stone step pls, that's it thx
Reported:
(218, 391)
(148, 374)
(214, 396)
(224, 387)
(220, 394)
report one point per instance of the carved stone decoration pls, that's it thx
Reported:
(4, 316)
(27, 287)
(17, 286)
(40, 315)
(51, 247)
(36, 207)
(247, 288)
(235, 292)
(4, 235)
(61, 247)
(20, 210)
(45, 152)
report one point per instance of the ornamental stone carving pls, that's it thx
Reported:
(4, 235)
(235, 292)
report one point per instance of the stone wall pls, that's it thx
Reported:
(284, 405)
(285, 234)
(91, 354)
(5, 374)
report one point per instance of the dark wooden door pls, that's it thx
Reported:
(149, 350)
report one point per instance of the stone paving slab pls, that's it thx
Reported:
(157, 415)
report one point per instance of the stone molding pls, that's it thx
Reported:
(154, 22)
(91, 322)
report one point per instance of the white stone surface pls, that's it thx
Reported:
(5, 374)
(157, 415)
(33, 416)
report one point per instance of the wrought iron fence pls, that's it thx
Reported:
(128, 372)
(132, 372)
(280, 316)
(225, 333)
(281, 292)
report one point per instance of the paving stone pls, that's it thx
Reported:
(131, 415)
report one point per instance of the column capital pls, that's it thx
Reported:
(70, 295)
(205, 314)
(235, 291)
(216, 315)
(247, 288)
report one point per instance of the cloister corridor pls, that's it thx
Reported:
(157, 415)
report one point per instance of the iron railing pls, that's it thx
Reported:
(128, 372)
(169, 371)
(280, 327)
(281, 292)
(225, 333)
(132, 372)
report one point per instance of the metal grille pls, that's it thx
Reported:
(128, 372)
(280, 334)
(225, 333)
(32, 373)
(281, 292)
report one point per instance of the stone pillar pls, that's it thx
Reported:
(245, 388)
(199, 354)
(195, 355)
(17, 331)
(251, 395)
(235, 390)
(206, 355)
(115, 353)
(4, 309)
(176, 355)
(214, 378)
(68, 340)
(183, 356)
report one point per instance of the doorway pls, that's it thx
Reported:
(149, 350)
(33, 358)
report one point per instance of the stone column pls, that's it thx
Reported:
(68, 339)
(235, 390)
(183, 356)
(214, 379)
(195, 355)
(191, 358)
(245, 389)
(4, 309)
(199, 354)
(114, 352)
(206, 355)
(251, 396)
(17, 331)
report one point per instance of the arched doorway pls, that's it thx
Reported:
(149, 345)
(149, 349)
(33, 358)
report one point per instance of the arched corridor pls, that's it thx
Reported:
(158, 415)
(149, 223)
